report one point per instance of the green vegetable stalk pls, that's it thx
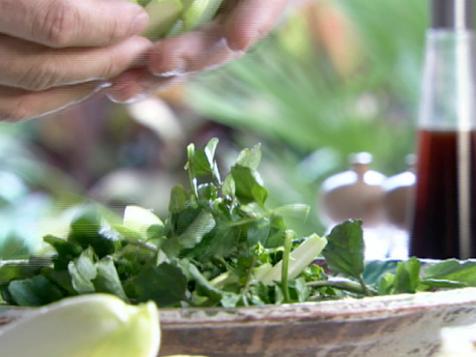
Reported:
(172, 17)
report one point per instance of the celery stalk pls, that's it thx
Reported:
(173, 17)
(300, 258)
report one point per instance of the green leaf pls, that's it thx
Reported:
(230, 300)
(86, 231)
(210, 149)
(299, 290)
(441, 284)
(83, 271)
(407, 277)
(195, 232)
(107, 280)
(204, 286)
(276, 234)
(386, 283)
(18, 269)
(66, 251)
(258, 231)
(250, 158)
(248, 185)
(375, 269)
(228, 187)
(62, 279)
(344, 252)
(178, 199)
(165, 284)
(34, 291)
(201, 162)
(454, 270)
(221, 242)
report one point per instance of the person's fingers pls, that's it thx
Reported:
(35, 67)
(135, 84)
(191, 52)
(71, 23)
(251, 20)
(19, 104)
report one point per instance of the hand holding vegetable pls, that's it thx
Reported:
(239, 24)
(57, 52)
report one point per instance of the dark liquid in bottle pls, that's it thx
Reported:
(445, 207)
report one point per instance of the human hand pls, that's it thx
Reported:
(57, 52)
(243, 23)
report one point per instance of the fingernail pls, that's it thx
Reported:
(178, 72)
(116, 98)
(140, 22)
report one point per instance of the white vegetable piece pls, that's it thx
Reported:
(95, 325)
(300, 259)
(140, 219)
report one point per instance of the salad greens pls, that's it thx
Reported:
(219, 246)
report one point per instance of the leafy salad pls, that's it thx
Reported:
(220, 245)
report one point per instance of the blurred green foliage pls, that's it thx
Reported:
(337, 77)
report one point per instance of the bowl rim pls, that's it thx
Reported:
(348, 309)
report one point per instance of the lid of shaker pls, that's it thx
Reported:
(452, 14)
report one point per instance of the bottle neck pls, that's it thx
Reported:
(447, 101)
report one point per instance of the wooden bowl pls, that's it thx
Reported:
(399, 325)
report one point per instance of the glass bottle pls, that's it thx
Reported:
(444, 219)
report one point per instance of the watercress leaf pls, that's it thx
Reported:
(375, 269)
(66, 251)
(228, 187)
(17, 269)
(455, 270)
(207, 192)
(386, 283)
(131, 259)
(222, 242)
(182, 220)
(204, 287)
(165, 284)
(344, 252)
(155, 232)
(248, 185)
(86, 231)
(195, 232)
(82, 271)
(178, 199)
(201, 162)
(276, 234)
(211, 148)
(107, 280)
(258, 231)
(250, 157)
(441, 284)
(299, 290)
(61, 279)
(230, 300)
(35, 291)
(407, 277)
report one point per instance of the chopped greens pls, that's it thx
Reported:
(219, 246)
